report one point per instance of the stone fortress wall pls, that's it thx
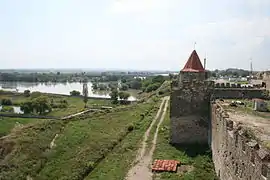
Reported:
(190, 112)
(236, 153)
(266, 78)
(239, 93)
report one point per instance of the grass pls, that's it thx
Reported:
(80, 147)
(26, 150)
(248, 108)
(7, 124)
(198, 157)
(116, 165)
(75, 104)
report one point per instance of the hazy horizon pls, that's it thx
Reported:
(134, 34)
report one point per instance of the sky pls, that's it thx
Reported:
(134, 34)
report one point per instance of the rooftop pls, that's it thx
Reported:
(193, 64)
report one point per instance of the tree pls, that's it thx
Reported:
(85, 94)
(123, 95)
(6, 102)
(26, 93)
(124, 87)
(102, 87)
(75, 93)
(114, 96)
(95, 86)
(158, 79)
(41, 105)
(152, 87)
(123, 80)
(27, 107)
(135, 84)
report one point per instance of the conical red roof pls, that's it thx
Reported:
(193, 64)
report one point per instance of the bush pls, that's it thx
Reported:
(75, 93)
(6, 102)
(7, 109)
(161, 92)
(130, 128)
(152, 87)
(26, 93)
(124, 87)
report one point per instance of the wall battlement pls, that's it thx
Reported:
(237, 155)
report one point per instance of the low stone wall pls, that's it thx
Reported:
(238, 93)
(236, 155)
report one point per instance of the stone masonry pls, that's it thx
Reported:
(190, 104)
(196, 118)
(236, 155)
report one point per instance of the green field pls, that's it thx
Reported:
(80, 147)
(7, 124)
(196, 159)
(75, 104)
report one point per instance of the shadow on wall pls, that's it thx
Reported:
(194, 149)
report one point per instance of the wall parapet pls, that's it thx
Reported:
(237, 153)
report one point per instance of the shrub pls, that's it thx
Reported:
(130, 127)
(26, 93)
(152, 87)
(6, 102)
(161, 92)
(7, 109)
(75, 93)
(124, 87)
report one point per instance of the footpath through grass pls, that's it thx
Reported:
(83, 144)
(25, 151)
(80, 146)
(196, 158)
(116, 165)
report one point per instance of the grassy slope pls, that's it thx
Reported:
(188, 155)
(78, 147)
(30, 150)
(7, 124)
(84, 143)
(117, 163)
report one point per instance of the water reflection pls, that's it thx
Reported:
(16, 109)
(56, 88)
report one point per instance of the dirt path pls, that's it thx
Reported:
(141, 170)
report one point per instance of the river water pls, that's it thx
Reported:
(56, 88)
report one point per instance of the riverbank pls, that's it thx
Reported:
(74, 104)
(60, 89)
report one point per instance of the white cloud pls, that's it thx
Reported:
(139, 6)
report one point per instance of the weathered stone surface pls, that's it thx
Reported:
(190, 107)
(234, 155)
(238, 93)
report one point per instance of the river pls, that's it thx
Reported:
(55, 88)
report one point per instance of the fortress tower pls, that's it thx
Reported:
(190, 104)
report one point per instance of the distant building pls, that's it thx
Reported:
(260, 105)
